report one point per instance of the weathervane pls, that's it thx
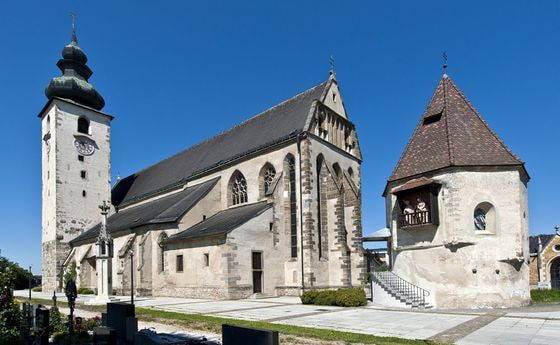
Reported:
(74, 38)
(331, 63)
(445, 63)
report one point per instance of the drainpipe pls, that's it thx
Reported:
(300, 213)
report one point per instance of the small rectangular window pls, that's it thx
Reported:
(84, 193)
(206, 259)
(270, 226)
(179, 265)
(80, 158)
(83, 174)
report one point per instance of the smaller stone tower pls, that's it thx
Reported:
(76, 164)
(457, 209)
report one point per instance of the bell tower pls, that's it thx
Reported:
(76, 160)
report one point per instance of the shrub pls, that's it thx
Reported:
(326, 297)
(85, 291)
(308, 297)
(57, 321)
(37, 289)
(353, 297)
(545, 295)
(10, 320)
(91, 323)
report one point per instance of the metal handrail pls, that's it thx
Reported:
(402, 286)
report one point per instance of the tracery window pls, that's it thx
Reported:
(238, 189)
(268, 177)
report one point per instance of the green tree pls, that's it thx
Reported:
(71, 273)
(12, 275)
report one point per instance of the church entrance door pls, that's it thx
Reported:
(555, 273)
(256, 259)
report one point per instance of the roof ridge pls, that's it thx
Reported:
(415, 130)
(300, 94)
(481, 119)
(449, 148)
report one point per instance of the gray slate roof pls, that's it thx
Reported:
(534, 242)
(222, 222)
(164, 210)
(279, 123)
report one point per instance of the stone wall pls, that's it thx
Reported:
(462, 267)
(70, 201)
(229, 274)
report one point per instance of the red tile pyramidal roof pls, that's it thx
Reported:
(451, 133)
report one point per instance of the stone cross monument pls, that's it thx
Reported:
(104, 257)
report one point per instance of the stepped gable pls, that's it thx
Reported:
(279, 123)
(451, 133)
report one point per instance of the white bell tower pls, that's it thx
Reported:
(76, 160)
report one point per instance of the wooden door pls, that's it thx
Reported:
(257, 265)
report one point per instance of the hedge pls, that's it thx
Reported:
(85, 291)
(545, 295)
(353, 297)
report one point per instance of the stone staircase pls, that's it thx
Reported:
(408, 294)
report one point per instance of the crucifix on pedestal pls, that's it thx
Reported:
(104, 259)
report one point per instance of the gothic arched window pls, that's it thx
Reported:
(238, 188)
(83, 125)
(267, 177)
(291, 165)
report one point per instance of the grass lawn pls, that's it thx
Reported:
(545, 296)
(213, 324)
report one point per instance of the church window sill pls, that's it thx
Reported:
(484, 232)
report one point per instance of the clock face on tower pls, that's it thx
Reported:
(84, 146)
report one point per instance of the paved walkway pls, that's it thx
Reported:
(536, 325)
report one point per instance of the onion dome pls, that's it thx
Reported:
(73, 84)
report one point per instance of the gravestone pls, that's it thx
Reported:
(104, 336)
(117, 315)
(42, 324)
(237, 335)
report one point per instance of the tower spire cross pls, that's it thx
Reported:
(444, 63)
(74, 38)
(331, 63)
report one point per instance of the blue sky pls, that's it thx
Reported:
(175, 72)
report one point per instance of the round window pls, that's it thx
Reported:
(557, 248)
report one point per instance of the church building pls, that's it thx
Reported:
(456, 207)
(271, 206)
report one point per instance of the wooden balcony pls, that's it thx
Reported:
(414, 219)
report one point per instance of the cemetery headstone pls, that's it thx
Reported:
(237, 335)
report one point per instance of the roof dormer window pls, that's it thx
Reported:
(431, 119)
